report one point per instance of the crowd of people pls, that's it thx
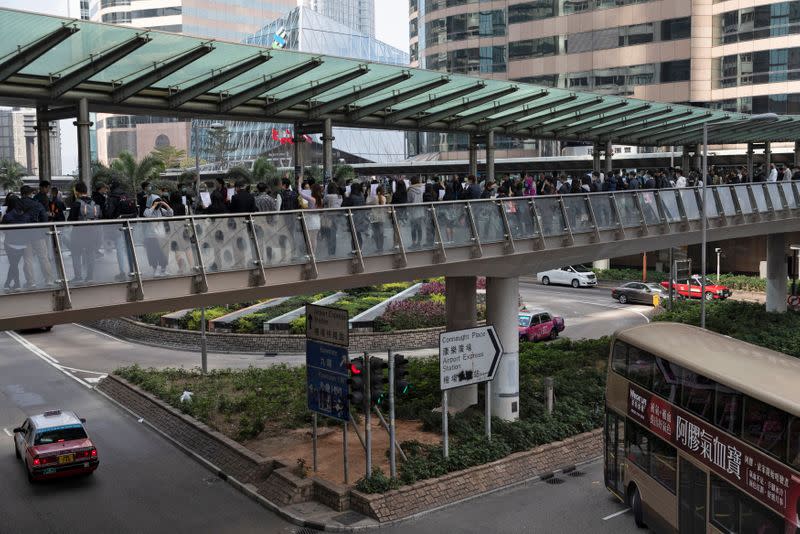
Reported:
(86, 243)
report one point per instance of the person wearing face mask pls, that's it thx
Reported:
(141, 197)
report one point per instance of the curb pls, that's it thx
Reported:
(239, 486)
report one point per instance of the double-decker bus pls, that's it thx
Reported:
(702, 432)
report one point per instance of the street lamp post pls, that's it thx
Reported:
(719, 254)
(195, 133)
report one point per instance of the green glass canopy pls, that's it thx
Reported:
(53, 62)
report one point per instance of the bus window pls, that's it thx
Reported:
(758, 519)
(698, 394)
(619, 359)
(764, 427)
(640, 367)
(666, 380)
(663, 466)
(794, 443)
(724, 505)
(638, 446)
(728, 410)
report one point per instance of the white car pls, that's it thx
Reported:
(575, 276)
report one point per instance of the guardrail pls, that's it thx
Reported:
(63, 258)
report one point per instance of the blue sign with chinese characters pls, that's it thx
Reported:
(327, 373)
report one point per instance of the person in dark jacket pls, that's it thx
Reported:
(16, 242)
(39, 246)
(84, 239)
(360, 219)
(219, 198)
(243, 200)
(100, 196)
(473, 191)
(400, 195)
(56, 209)
(141, 197)
(43, 196)
(121, 205)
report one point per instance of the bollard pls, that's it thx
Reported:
(549, 396)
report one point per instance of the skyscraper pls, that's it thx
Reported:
(18, 140)
(734, 55)
(356, 14)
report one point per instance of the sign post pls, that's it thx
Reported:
(467, 357)
(327, 370)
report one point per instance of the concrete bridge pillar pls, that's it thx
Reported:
(43, 143)
(685, 159)
(767, 155)
(490, 155)
(797, 153)
(84, 157)
(750, 162)
(473, 155)
(608, 158)
(502, 309)
(462, 313)
(327, 151)
(776, 273)
(596, 149)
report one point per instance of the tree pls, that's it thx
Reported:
(137, 172)
(342, 173)
(11, 174)
(219, 142)
(265, 171)
(169, 156)
(238, 173)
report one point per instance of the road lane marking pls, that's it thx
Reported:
(99, 333)
(9, 434)
(612, 516)
(103, 373)
(45, 357)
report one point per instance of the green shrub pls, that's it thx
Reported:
(298, 326)
(377, 482)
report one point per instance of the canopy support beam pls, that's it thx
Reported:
(358, 93)
(275, 107)
(276, 80)
(497, 108)
(29, 53)
(450, 111)
(432, 101)
(396, 98)
(180, 97)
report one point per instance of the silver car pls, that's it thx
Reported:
(638, 293)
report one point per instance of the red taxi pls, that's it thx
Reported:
(538, 324)
(53, 445)
(694, 290)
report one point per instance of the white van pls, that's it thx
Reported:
(575, 276)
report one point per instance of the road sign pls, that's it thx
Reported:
(326, 324)
(327, 371)
(468, 356)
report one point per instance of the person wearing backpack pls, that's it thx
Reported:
(288, 196)
(121, 205)
(84, 237)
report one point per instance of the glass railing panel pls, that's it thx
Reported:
(225, 244)
(670, 204)
(774, 192)
(488, 221)
(416, 227)
(604, 212)
(788, 193)
(164, 247)
(712, 212)
(96, 253)
(27, 260)
(743, 196)
(280, 236)
(690, 206)
(758, 194)
(520, 218)
(726, 199)
(628, 211)
(649, 203)
(379, 238)
(578, 213)
(454, 224)
(549, 210)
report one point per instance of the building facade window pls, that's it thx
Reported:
(616, 80)
(114, 3)
(765, 66)
(485, 59)
(759, 22)
(465, 26)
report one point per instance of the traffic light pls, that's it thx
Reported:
(356, 382)
(401, 385)
(377, 379)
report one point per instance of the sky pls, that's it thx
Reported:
(391, 26)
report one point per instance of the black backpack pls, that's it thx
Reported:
(288, 200)
(125, 207)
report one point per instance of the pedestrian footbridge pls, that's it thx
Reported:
(90, 270)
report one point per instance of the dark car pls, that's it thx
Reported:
(638, 293)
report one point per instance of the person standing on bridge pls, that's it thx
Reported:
(154, 234)
(84, 238)
(121, 205)
(40, 242)
(415, 195)
(16, 241)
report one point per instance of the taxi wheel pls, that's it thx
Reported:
(709, 296)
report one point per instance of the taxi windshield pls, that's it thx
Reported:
(524, 320)
(58, 434)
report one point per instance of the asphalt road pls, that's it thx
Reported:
(143, 484)
(588, 312)
(579, 504)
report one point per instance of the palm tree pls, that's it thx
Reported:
(11, 174)
(170, 156)
(146, 169)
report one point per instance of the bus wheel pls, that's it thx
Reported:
(636, 506)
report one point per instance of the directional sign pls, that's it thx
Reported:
(326, 380)
(326, 324)
(468, 356)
